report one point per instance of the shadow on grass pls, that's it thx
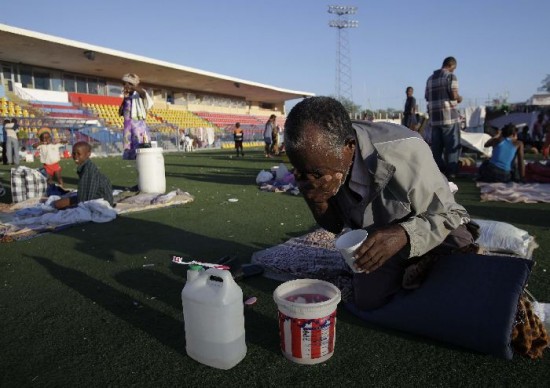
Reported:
(136, 237)
(259, 329)
(160, 326)
(528, 214)
(239, 177)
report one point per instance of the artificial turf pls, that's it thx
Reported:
(78, 307)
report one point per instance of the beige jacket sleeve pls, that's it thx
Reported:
(434, 212)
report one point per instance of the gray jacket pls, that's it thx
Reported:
(395, 179)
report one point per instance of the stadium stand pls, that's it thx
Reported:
(80, 104)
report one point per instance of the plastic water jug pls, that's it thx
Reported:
(150, 167)
(213, 312)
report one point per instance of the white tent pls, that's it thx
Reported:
(476, 142)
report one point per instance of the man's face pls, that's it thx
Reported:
(320, 160)
(80, 154)
(128, 87)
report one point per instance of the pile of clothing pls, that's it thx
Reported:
(278, 180)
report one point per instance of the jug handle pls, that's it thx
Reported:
(221, 273)
(225, 275)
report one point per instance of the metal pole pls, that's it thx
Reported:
(343, 57)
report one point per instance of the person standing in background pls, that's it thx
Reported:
(4, 141)
(409, 113)
(49, 154)
(275, 140)
(443, 97)
(268, 135)
(12, 142)
(134, 109)
(238, 136)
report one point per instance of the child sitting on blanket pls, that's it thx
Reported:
(49, 155)
(92, 184)
(507, 160)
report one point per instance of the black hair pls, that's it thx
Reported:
(408, 87)
(449, 61)
(509, 130)
(83, 144)
(237, 125)
(327, 113)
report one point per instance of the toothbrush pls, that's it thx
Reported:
(181, 260)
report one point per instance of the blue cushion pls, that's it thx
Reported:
(466, 300)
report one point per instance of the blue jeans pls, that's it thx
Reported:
(446, 147)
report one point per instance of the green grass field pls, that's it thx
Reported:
(77, 307)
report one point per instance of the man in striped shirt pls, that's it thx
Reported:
(442, 97)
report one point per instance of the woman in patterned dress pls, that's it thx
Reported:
(134, 109)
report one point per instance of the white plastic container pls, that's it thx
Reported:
(307, 319)
(150, 167)
(213, 312)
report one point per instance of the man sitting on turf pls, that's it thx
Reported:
(92, 184)
(375, 176)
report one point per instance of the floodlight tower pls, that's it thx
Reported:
(343, 57)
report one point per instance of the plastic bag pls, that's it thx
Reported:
(503, 237)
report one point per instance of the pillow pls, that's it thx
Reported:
(467, 300)
(498, 236)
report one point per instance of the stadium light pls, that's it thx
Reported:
(342, 9)
(344, 23)
(343, 57)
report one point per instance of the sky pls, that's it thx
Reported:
(501, 46)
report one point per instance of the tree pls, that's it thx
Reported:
(545, 84)
(350, 106)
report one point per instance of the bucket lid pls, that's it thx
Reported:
(153, 150)
(306, 310)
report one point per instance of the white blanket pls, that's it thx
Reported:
(44, 216)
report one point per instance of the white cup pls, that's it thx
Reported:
(348, 243)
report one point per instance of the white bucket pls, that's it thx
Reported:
(150, 167)
(307, 319)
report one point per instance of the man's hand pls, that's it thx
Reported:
(379, 247)
(319, 190)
